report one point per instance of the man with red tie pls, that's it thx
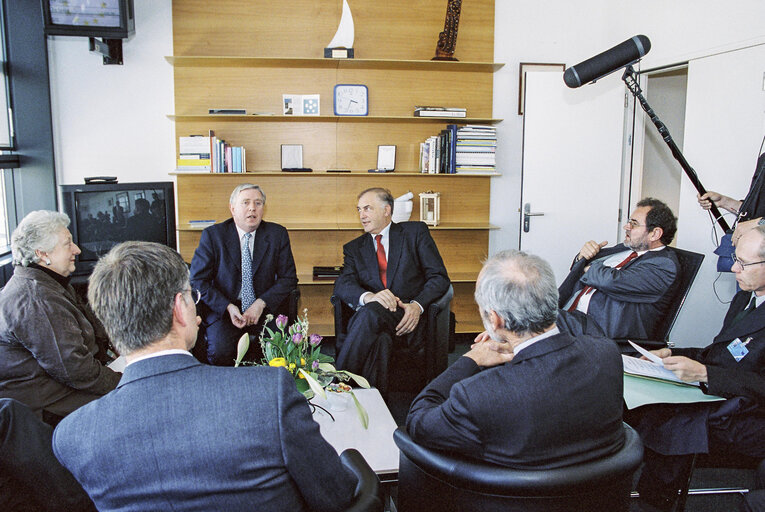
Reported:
(627, 288)
(391, 274)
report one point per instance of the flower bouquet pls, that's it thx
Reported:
(298, 352)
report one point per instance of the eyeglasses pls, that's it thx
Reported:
(744, 265)
(196, 295)
(634, 224)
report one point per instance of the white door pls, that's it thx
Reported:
(572, 166)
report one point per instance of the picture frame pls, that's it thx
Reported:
(386, 158)
(292, 156)
(532, 66)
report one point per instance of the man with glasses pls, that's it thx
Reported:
(180, 435)
(733, 367)
(245, 270)
(627, 288)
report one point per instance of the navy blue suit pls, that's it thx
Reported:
(216, 270)
(557, 403)
(180, 435)
(415, 272)
(629, 301)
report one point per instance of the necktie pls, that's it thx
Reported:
(382, 263)
(586, 289)
(248, 293)
(741, 314)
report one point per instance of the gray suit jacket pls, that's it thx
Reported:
(629, 301)
(179, 435)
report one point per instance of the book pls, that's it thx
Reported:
(433, 107)
(439, 113)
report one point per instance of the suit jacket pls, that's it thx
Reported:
(216, 268)
(49, 345)
(415, 268)
(179, 435)
(558, 402)
(629, 301)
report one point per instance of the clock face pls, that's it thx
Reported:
(351, 100)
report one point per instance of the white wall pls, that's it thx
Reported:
(569, 32)
(111, 120)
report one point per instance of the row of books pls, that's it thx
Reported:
(208, 153)
(470, 149)
(432, 111)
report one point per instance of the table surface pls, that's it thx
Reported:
(374, 443)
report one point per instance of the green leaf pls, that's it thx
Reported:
(241, 348)
(326, 367)
(269, 352)
(363, 416)
(324, 358)
(277, 338)
(301, 385)
(361, 381)
(270, 332)
(315, 387)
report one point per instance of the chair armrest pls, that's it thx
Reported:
(437, 337)
(368, 495)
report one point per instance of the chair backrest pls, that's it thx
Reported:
(368, 496)
(439, 481)
(690, 262)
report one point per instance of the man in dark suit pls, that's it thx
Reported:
(627, 288)
(733, 367)
(391, 274)
(525, 395)
(180, 435)
(244, 269)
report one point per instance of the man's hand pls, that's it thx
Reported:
(486, 353)
(685, 368)
(253, 313)
(742, 228)
(410, 319)
(591, 249)
(384, 297)
(711, 197)
(236, 316)
(660, 353)
(499, 346)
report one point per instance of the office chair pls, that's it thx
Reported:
(368, 496)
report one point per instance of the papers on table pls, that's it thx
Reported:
(643, 368)
(641, 391)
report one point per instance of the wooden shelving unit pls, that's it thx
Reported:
(246, 54)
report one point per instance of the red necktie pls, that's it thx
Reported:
(382, 263)
(586, 289)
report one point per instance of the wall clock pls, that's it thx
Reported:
(351, 100)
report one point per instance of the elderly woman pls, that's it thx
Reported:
(51, 345)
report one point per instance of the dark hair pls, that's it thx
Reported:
(382, 193)
(660, 216)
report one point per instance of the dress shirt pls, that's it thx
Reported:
(611, 261)
(241, 233)
(159, 353)
(531, 341)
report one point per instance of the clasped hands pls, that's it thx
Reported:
(487, 352)
(685, 368)
(249, 317)
(391, 302)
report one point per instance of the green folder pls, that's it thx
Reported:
(642, 391)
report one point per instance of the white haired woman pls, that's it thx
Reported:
(52, 347)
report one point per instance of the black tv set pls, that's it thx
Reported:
(105, 214)
(111, 19)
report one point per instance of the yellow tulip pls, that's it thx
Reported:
(277, 361)
(302, 362)
(292, 366)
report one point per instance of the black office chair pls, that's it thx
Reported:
(368, 496)
(439, 481)
(690, 263)
(433, 357)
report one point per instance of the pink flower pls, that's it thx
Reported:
(314, 340)
(315, 365)
(297, 338)
(281, 321)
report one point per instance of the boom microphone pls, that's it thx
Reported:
(607, 62)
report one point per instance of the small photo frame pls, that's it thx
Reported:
(292, 156)
(310, 104)
(532, 66)
(386, 158)
(288, 105)
(301, 104)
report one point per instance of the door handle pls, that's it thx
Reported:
(527, 214)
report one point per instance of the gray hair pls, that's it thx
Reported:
(761, 231)
(521, 289)
(38, 231)
(241, 188)
(132, 292)
(383, 194)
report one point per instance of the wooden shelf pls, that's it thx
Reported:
(354, 173)
(355, 226)
(302, 63)
(325, 119)
(455, 277)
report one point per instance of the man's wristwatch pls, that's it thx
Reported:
(761, 222)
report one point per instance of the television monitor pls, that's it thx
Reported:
(109, 19)
(105, 214)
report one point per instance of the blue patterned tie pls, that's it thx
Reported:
(248, 294)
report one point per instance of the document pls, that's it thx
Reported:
(643, 368)
(642, 391)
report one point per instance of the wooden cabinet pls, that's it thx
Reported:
(262, 61)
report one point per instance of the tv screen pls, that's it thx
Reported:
(104, 215)
(111, 19)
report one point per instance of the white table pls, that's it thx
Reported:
(374, 443)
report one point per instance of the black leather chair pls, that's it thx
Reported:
(433, 358)
(368, 496)
(439, 481)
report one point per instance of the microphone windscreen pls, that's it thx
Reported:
(604, 63)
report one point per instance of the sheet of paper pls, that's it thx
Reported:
(118, 365)
(640, 391)
(649, 369)
(644, 352)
